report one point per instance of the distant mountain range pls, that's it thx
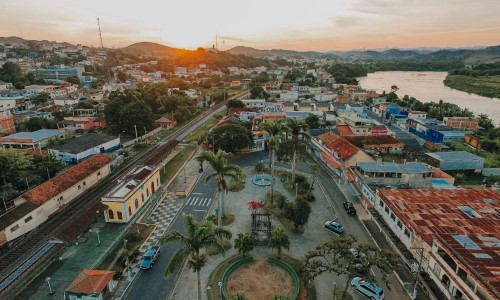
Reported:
(470, 55)
(18, 40)
(473, 56)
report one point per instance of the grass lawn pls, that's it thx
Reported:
(488, 86)
(168, 172)
(202, 131)
(136, 236)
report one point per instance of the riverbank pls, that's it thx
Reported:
(487, 86)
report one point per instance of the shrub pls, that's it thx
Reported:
(259, 167)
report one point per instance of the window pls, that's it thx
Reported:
(98, 173)
(111, 214)
(79, 187)
(407, 232)
(60, 198)
(142, 196)
(136, 203)
(147, 192)
(393, 217)
(14, 228)
(130, 211)
(84, 183)
(381, 203)
(386, 210)
(28, 219)
(119, 215)
(400, 225)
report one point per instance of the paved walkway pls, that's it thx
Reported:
(236, 204)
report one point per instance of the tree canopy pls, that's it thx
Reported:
(230, 138)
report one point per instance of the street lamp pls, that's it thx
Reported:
(296, 189)
(135, 127)
(334, 290)
(220, 289)
(4, 204)
(98, 237)
(51, 292)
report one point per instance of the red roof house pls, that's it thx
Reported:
(91, 283)
(338, 152)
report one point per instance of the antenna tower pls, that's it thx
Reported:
(100, 33)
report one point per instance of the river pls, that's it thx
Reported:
(428, 86)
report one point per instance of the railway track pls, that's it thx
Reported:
(72, 220)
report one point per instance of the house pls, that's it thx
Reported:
(6, 123)
(131, 193)
(381, 143)
(29, 210)
(91, 285)
(409, 174)
(456, 231)
(165, 122)
(83, 147)
(337, 152)
(289, 96)
(35, 140)
(417, 115)
(458, 161)
(388, 108)
(434, 132)
(82, 123)
(327, 96)
(379, 130)
(359, 126)
(254, 103)
(461, 123)
(61, 73)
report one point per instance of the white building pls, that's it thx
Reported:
(289, 96)
(84, 147)
(254, 103)
(324, 97)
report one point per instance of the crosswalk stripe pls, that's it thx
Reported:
(195, 202)
(189, 201)
(208, 202)
(204, 202)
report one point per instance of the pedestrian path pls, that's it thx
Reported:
(198, 201)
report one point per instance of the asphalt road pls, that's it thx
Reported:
(150, 284)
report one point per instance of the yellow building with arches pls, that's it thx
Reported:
(131, 194)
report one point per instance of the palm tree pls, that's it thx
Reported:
(297, 128)
(274, 129)
(221, 170)
(239, 296)
(244, 242)
(279, 240)
(199, 235)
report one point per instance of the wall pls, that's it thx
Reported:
(404, 234)
(41, 214)
(142, 193)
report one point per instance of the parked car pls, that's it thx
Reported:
(349, 208)
(370, 290)
(150, 257)
(334, 226)
(361, 269)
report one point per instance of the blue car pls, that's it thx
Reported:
(370, 290)
(150, 257)
(334, 226)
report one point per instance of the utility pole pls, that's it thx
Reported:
(417, 271)
(135, 127)
(100, 33)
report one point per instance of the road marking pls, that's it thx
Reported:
(196, 193)
(204, 210)
(195, 202)
(189, 201)
(202, 202)
(208, 202)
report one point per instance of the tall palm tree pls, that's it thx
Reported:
(199, 235)
(221, 170)
(279, 240)
(274, 129)
(244, 242)
(298, 128)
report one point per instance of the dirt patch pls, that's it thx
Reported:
(260, 280)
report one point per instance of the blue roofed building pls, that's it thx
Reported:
(35, 140)
(458, 161)
(62, 73)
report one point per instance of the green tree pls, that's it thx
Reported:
(336, 256)
(239, 296)
(312, 121)
(257, 92)
(298, 212)
(279, 240)
(244, 242)
(122, 76)
(281, 297)
(486, 122)
(221, 169)
(136, 115)
(230, 138)
(199, 235)
(73, 80)
(274, 130)
(11, 72)
(113, 112)
(235, 103)
(41, 98)
(297, 128)
(45, 166)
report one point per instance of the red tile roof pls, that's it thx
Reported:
(435, 214)
(339, 145)
(374, 140)
(91, 281)
(344, 129)
(63, 181)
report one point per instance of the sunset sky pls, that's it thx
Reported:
(300, 25)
